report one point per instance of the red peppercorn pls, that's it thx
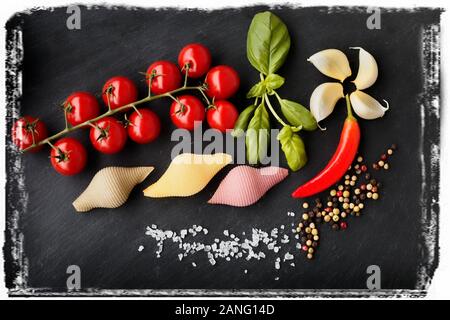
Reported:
(383, 157)
(363, 187)
(363, 168)
(328, 209)
(339, 193)
(343, 225)
(305, 248)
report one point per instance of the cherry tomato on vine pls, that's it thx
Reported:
(144, 127)
(109, 136)
(164, 77)
(27, 128)
(68, 156)
(186, 112)
(222, 115)
(198, 57)
(81, 107)
(222, 81)
(120, 91)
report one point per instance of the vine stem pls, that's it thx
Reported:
(266, 98)
(108, 113)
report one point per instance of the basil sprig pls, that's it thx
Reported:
(268, 44)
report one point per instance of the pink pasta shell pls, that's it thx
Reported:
(244, 185)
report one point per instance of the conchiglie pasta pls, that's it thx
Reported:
(187, 175)
(110, 187)
(244, 185)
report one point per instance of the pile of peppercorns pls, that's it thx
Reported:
(344, 199)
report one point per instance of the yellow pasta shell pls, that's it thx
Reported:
(110, 187)
(187, 175)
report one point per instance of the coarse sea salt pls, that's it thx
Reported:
(258, 245)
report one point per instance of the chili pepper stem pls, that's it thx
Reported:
(110, 112)
(349, 107)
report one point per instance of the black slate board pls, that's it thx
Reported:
(104, 242)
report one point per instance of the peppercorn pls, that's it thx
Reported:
(381, 163)
(315, 238)
(363, 168)
(309, 243)
(394, 147)
(333, 192)
(360, 159)
(311, 214)
(373, 182)
(346, 194)
(390, 151)
(303, 239)
(375, 196)
(343, 225)
(369, 195)
(343, 215)
(305, 216)
(336, 218)
(376, 166)
(363, 187)
(386, 166)
(305, 205)
(305, 248)
(367, 176)
(309, 256)
(335, 226)
(383, 157)
(327, 218)
(362, 197)
(357, 191)
(311, 250)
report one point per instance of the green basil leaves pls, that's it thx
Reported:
(257, 137)
(293, 148)
(297, 115)
(268, 43)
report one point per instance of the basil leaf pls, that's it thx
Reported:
(293, 148)
(242, 121)
(257, 90)
(268, 42)
(298, 115)
(257, 137)
(273, 81)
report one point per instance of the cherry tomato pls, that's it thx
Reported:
(198, 57)
(109, 136)
(27, 128)
(222, 81)
(144, 127)
(222, 115)
(186, 112)
(120, 90)
(81, 107)
(164, 75)
(68, 156)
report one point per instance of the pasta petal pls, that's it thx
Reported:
(187, 175)
(110, 187)
(244, 185)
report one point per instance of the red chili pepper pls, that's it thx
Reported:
(339, 163)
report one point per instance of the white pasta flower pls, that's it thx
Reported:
(334, 64)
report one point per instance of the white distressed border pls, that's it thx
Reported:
(443, 269)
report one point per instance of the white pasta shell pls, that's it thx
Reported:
(110, 187)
